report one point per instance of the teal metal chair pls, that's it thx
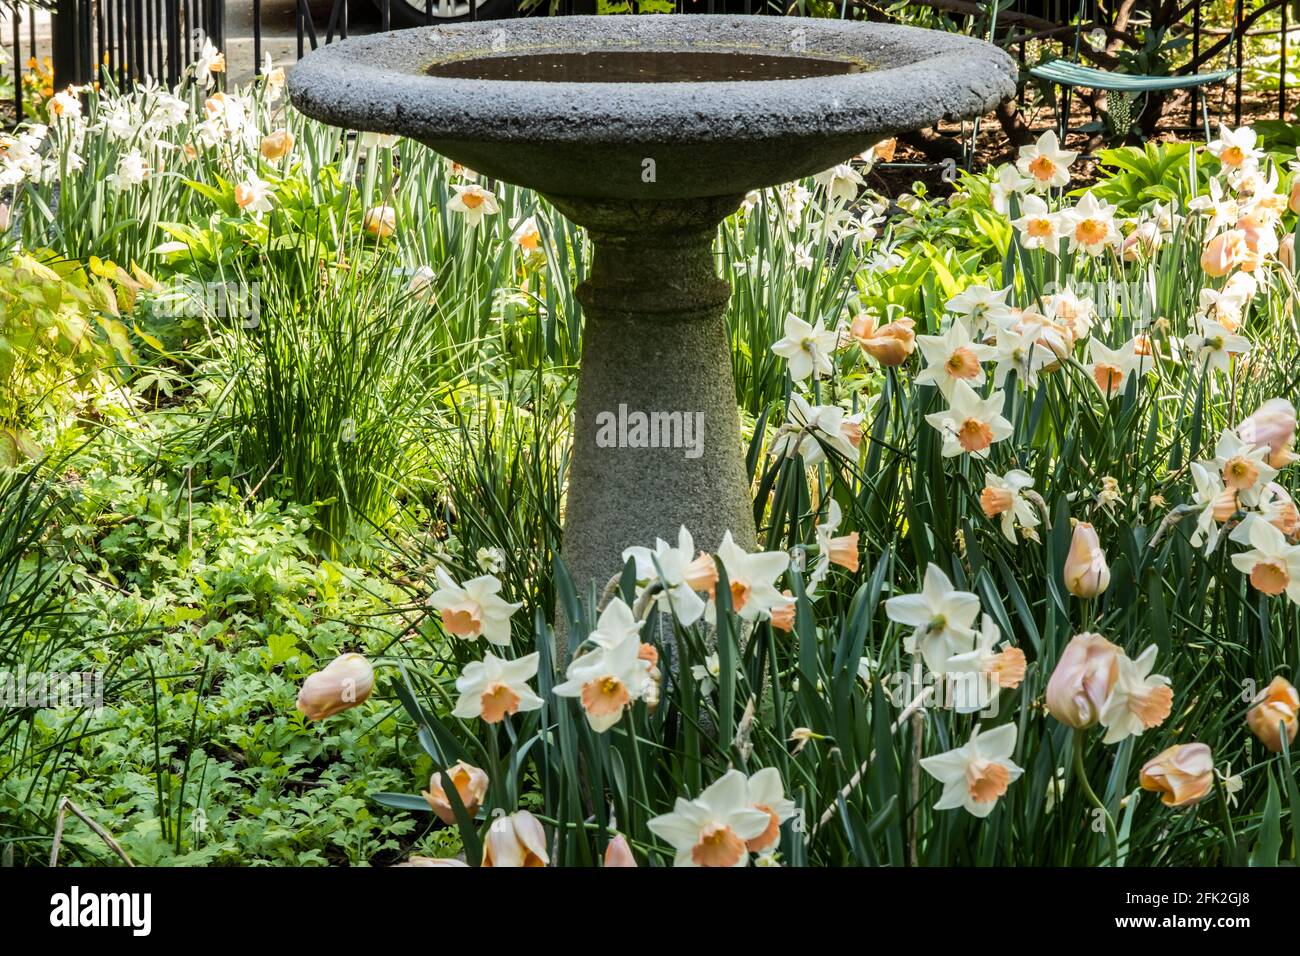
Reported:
(1071, 74)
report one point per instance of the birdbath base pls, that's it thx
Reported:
(657, 441)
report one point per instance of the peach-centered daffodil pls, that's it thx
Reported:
(494, 688)
(715, 828)
(970, 424)
(612, 675)
(474, 609)
(975, 774)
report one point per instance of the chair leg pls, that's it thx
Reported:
(1205, 116)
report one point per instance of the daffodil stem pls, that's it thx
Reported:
(1080, 739)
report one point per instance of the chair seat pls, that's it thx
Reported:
(1065, 73)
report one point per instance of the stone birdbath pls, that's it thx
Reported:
(648, 131)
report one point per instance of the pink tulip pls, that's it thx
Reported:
(1082, 681)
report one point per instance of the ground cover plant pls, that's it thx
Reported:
(284, 435)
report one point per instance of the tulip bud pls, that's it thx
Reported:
(1086, 572)
(1083, 679)
(889, 344)
(1182, 775)
(276, 146)
(618, 853)
(1272, 424)
(1224, 253)
(1286, 252)
(1294, 202)
(345, 682)
(516, 840)
(1273, 710)
(471, 785)
(380, 222)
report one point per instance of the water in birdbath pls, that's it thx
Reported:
(643, 66)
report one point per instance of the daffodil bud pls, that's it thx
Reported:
(1273, 710)
(1082, 681)
(618, 853)
(471, 785)
(1086, 572)
(345, 682)
(1182, 775)
(515, 840)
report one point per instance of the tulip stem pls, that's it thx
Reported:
(1080, 739)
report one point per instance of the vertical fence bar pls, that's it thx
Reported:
(1239, 15)
(1281, 67)
(18, 62)
(173, 43)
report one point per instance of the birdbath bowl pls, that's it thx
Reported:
(648, 131)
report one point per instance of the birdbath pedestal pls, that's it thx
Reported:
(648, 131)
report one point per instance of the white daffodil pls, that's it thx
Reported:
(970, 424)
(210, 62)
(714, 828)
(979, 306)
(474, 609)
(705, 674)
(807, 348)
(841, 183)
(1090, 226)
(1221, 209)
(1000, 667)
(1075, 313)
(1272, 564)
(941, 617)
(1046, 165)
(952, 357)
(371, 140)
(1235, 148)
(473, 202)
(809, 429)
(751, 578)
(1111, 369)
(253, 195)
(1243, 465)
(1003, 498)
(1023, 351)
(1039, 227)
(1208, 496)
(1227, 306)
(976, 774)
(527, 237)
(1138, 701)
(1007, 182)
(679, 572)
(611, 676)
(131, 171)
(494, 687)
(831, 549)
(766, 793)
(1214, 346)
